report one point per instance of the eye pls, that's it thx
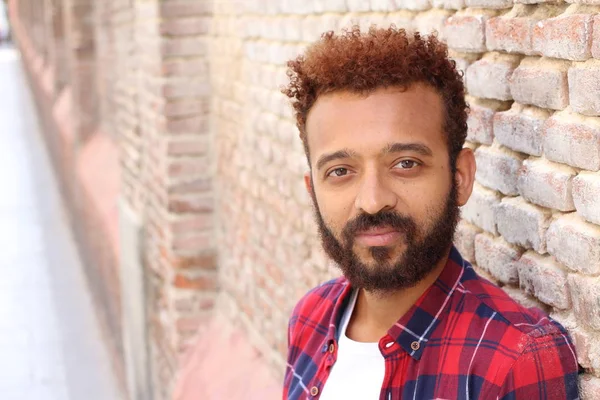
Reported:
(338, 172)
(406, 164)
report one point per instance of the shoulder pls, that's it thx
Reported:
(482, 295)
(525, 339)
(319, 301)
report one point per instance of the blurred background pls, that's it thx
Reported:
(155, 232)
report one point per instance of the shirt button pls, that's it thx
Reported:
(388, 345)
(331, 348)
(314, 391)
(415, 346)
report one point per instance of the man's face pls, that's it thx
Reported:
(385, 199)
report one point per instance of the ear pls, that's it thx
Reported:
(308, 183)
(465, 175)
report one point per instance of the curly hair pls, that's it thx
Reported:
(363, 62)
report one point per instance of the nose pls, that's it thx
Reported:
(374, 194)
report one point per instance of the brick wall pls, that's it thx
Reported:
(211, 164)
(532, 224)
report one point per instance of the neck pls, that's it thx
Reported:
(375, 312)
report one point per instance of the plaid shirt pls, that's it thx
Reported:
(464, 338)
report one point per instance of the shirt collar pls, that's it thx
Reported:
(413, 329)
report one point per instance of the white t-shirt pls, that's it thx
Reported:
(359, 369)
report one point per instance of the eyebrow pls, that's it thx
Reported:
(340, 154)
(414, 147)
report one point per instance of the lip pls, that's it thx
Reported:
(377, 237)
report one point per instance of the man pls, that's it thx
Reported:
(382, 116)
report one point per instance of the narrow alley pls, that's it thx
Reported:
(50, 341)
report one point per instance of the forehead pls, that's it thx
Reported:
(370, 122)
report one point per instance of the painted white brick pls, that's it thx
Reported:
(575, 243)
(545, 279)
(522, 223)
(497, 257)
(480, 209)
(520, 128)
(547, 184)
(497, 168)
(586, 196)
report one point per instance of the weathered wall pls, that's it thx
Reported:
(57, 47)
(534, 88)
(182, 99)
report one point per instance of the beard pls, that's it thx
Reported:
(423, 250)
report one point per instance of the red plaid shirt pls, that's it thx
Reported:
(465, 338)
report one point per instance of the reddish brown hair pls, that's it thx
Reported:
(362, 62)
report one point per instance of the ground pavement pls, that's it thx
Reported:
(50, 344)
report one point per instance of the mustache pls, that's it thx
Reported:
(391, 219)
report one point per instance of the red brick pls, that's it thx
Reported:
(545, 279)
(186, 46)
(187, 326)
(187, 125)
(173, 89)
(566, 36)
(541, 82)
(358, 5)
(575, 243)
(511, 32)
(586, 196)
(413, 5)
(493, 4)
(465, 31)
(463, 61)
(497, 168)
(185, 67)
(191, 186)
(489, 77)
(522, 223)
(403, 19)
(596, 38)
(191, 279)
(590, 387)
(330, 6)
(497, 257)
(185, 107)
(448, 4)
(432, 21)
(188, 146)
(520, 128)
(584, 86)
(185, 167)
(524, 299)
(572, 139)
(185, 224)
(586, 342)
(185, 8)
(185, 26)
(547, 184)
(203, 260)
(481, 115)
(464, 239)
(585, 291)
(480, 209)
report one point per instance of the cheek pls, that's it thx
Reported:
(335, 210)
(423, 204)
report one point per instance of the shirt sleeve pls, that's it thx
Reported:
(546, 369)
